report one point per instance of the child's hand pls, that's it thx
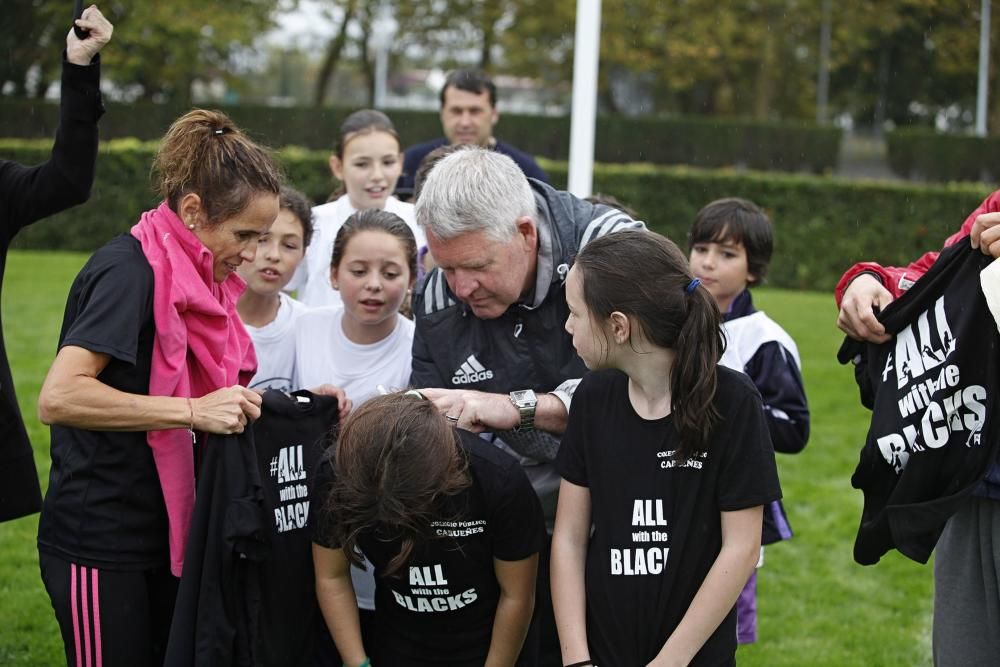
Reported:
(344, 404)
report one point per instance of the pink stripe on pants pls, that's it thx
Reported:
(97, 617)
(74, 614)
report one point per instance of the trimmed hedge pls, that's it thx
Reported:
(699, 142)
(932, 156)
(822, 224)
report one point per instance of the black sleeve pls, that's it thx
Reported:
(111, 301)
(516, 520)
(404, 186)
(28, 194)
(748, 476)
(777, 378)
(424, 372)
(532, 170)
(571, 459)
(323, 522)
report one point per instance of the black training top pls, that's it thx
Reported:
(657, 525)
(104, 507)
(28, 194)
(439, 608)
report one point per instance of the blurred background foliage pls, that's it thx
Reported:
(822, 224)
(898, 61)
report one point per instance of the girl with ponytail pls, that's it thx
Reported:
(667, 456)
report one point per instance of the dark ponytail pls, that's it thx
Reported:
(699, 347)
(646, 277)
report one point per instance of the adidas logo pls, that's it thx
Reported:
(471, 371)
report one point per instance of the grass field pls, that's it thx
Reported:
(817, 607)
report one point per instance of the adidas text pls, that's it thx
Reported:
(469, 378)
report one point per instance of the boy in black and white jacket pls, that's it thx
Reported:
(730, 246)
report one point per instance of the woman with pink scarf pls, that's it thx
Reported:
(151, 354)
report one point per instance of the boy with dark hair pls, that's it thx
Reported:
(731, 242)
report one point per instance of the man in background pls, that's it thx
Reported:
(468, 115)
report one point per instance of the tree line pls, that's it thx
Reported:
(904, 61)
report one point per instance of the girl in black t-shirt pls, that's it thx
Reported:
(451, 526)
(151, 350)
(666, 464)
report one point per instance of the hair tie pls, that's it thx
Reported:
(692, 285)
(414, 393)
(219, 131)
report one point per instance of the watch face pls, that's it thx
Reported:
(525, 397)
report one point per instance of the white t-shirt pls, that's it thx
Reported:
(312, 279)
(275, 346)
(323, 354)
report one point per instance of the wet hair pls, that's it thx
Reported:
(612, 201)
(204, 153)
(736, 220)
(645, 276)
(471, 81)
(475, 190)
(296, 203)
(375, 220)
(364, 121)
(396, 460)
(429, 162)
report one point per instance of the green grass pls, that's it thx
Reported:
(817, 607)
(34, 296)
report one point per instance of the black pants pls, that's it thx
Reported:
(110, 618)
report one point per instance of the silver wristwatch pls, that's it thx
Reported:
(525, 401)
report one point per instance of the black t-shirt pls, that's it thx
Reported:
(439, 608)
(933, 391)
(290, 438)
(247, 594)
(104, 507)
(657, 528)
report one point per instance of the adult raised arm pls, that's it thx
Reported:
(28, 194)
(81, 51)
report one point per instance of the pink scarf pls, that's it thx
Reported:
(200, 345)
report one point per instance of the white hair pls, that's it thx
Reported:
(474, 190)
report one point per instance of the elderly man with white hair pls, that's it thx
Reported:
(490, 349)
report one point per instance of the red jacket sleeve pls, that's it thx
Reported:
(898, 279)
